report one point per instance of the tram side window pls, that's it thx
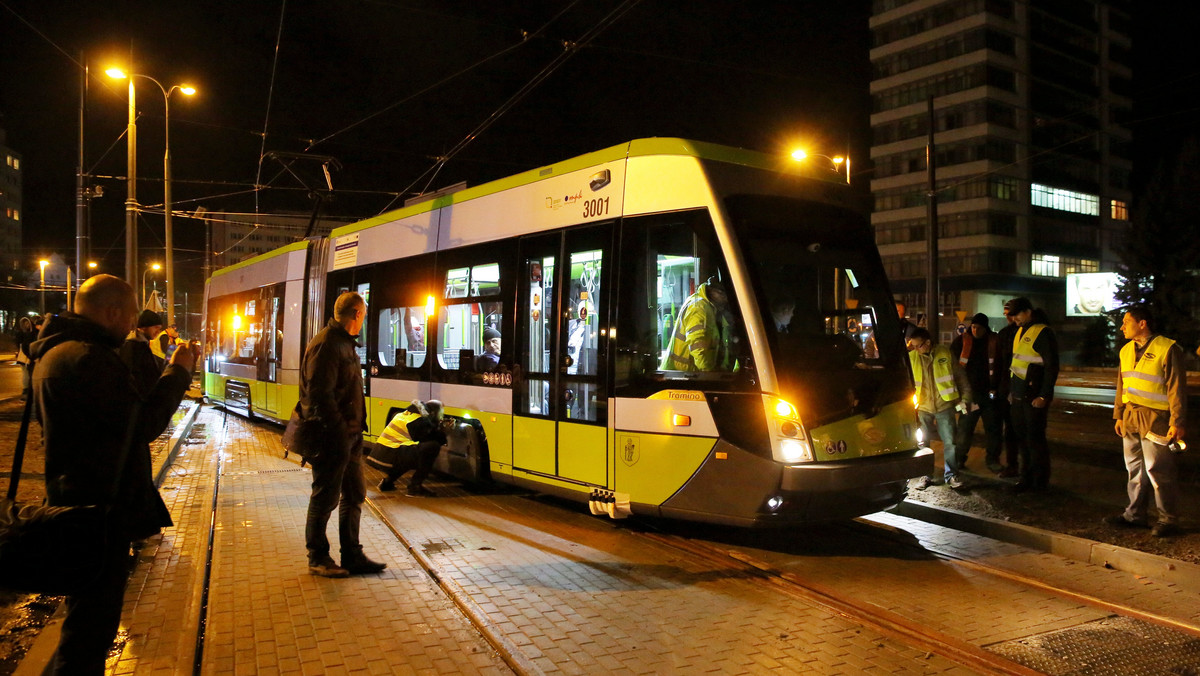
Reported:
(681, 319)
(470, 334)
(237, 324)
(402, 336)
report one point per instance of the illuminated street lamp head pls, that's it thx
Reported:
(837, 160)
(156, 266)
(43, 263)
(116, 73)
(92, 265)
(799, 155)
(187, 90)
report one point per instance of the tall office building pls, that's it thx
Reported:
(1032, 158)
(10, 212)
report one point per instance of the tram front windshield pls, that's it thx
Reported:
(830, 321)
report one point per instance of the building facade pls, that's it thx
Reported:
(10, 212)
(1032, 157)
(235, 237)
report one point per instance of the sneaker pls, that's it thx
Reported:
(387, 486)
(1120, 521)
(994, 466)
(359, 564)
(1162, 530)
(327, 568)
(920, 483)
(955, 482)
(420, 492)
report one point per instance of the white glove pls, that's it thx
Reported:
(961, 408)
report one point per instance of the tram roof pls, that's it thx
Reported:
(287, 248)
(635, 148)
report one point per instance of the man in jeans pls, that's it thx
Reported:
(976, 352)
(942, 387)
(331, 390)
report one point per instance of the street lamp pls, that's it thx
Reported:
(42, 264)
(153, 266)
(837, 160)
(131, 203)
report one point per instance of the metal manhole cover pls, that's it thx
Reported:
(1112, 645)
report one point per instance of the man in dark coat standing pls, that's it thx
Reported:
(91, 413)
(1034, 369)
(331, 391)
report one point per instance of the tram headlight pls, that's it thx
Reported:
(795, 450)
(774, 503)
(919, 435)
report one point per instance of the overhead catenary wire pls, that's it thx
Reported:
(270, 96)
(569, 50)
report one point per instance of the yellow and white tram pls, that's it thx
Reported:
(583, 269)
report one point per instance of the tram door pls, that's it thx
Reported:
(561, 401)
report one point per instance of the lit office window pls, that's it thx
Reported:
(1064, 200)
(1120, 211)
(1049, 265)
(1043, 265)
(14, 162)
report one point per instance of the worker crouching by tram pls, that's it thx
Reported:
(411, 441)
(942, 388)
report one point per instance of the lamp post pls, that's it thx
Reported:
(42, 264)
(153, 266)
(837, 160)
(131, 203)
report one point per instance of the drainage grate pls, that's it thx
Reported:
(256, 472)
(1110, 646)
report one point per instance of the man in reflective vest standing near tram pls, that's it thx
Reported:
(1150, 411)
(942, 387)
(1034, 371)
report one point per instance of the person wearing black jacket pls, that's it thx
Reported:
(1003, 376)
(1034, 370)
(331, 391)
(90, 412)
(976, 352)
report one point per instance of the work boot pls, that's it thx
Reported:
(1163, 529)
(327, 568)
(387, 485)
(1120, 521)
(359, 564)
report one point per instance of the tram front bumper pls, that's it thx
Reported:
(827, 477)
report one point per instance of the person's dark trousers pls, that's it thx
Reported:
(991, 427)
(337, 481)
(427, 453)
(94, 616)
(1004, 422)
(1030, 424)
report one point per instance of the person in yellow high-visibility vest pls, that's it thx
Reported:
(942, 388)
(703, 339)
(1034, 372)
(1150, 410)
(411, 441)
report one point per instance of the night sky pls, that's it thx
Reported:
(388, 86)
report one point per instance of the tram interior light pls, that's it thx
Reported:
(237, 322)
(429, 306)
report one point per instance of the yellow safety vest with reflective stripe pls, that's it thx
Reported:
(1023, 352)
(396, 433)
(943, 371)
(1142, 380)
(701, 340)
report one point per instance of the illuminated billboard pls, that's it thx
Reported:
(1090, 293)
